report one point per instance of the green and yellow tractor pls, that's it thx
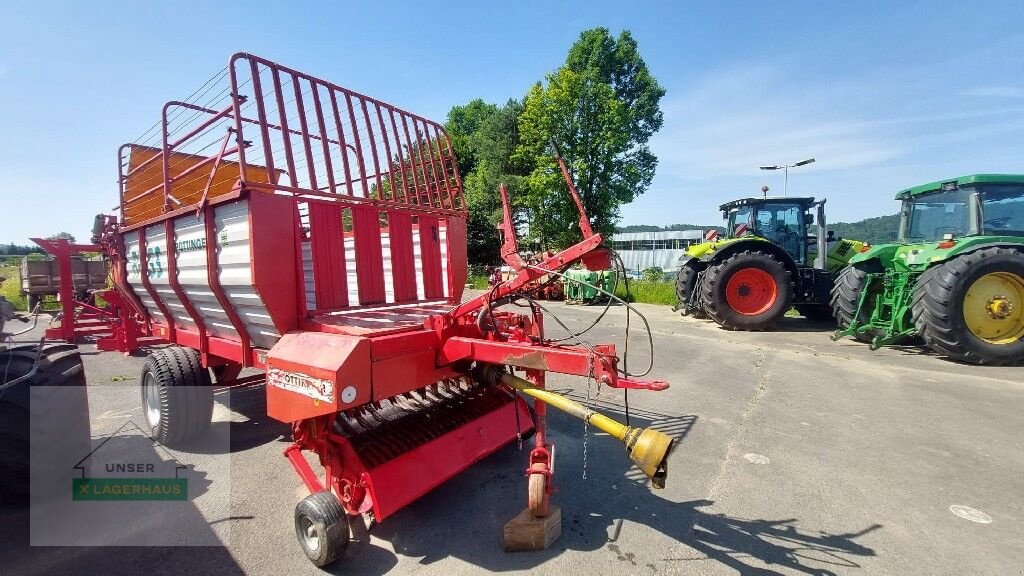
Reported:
(770, 261)
(955, 276)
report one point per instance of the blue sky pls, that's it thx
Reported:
(885, 95)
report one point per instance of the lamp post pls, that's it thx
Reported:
(786, 168)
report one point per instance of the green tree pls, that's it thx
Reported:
(602, 107)
(62, 236)
(484, 137)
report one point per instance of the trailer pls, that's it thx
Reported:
(319, 235)
(41, 278)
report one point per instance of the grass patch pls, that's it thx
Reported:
(11, 288)
(478, 281)
(649, 292)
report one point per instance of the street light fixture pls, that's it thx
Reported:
(786, 168)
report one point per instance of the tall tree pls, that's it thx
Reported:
(602, 107)
(484, 137)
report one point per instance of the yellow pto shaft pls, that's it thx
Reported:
(648, 448)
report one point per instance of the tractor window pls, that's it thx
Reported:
(932, 216)
(739, 221)
(781, 223)
(1003, 207)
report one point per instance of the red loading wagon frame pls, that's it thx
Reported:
(321, 175)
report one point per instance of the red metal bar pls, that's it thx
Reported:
(398, 155)
(213, 172)
(261, 113)
(303, 124)
(373, 150)
(303, 469)
(283, 118)
(359, 145)
(327, 248)
(328, 166)
(343, 145)
(412, 163)
(172, 329)
(387, 152)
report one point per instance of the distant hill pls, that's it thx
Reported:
(876, 230)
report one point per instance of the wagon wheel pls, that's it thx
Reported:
(538, 498)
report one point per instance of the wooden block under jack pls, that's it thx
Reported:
(525, 533)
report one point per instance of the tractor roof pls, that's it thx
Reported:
(961, 181)
(802, 200)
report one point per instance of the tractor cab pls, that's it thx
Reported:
(782, 221)
(979, 205)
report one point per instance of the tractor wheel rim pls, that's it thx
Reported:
(994, 308)
(310, 536)
(751, 291)
(152, 395)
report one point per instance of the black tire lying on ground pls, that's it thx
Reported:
(44, 420)
(750, 290)
(942, 301)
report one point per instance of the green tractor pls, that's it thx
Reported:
(954, 278)
(769, 262)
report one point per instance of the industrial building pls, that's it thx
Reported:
(643, 250)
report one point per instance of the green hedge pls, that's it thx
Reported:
(649, 292)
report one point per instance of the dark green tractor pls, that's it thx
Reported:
(954, 277)
(771, 260)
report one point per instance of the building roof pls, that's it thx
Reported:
(662, 235)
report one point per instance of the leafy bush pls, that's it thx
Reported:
(653, 274)
(11, 288)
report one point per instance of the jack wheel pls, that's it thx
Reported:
(538, 500)
(321, 527)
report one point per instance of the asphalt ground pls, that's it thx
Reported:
(794, 455)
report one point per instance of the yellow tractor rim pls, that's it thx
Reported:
(994, 307)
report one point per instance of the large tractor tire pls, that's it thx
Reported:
(750, 290)
(971, 308)
(177, 395)
(44, 420)
(846, 295)
(686, 291)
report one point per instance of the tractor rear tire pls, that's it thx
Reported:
(750, 290)
(177, 395)
(971, 308)
(321, 527)
(44, 421)
(846, 295)
(686, 291)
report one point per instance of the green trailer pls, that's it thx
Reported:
(954, 278)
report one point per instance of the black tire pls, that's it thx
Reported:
(44, 420)
(815, 312)
(937, 307)
(181, 406)
(686, 291)
(321, 527)
(846, 295)
(715, 282)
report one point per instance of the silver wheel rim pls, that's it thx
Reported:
(310, 536)
(151, 393)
